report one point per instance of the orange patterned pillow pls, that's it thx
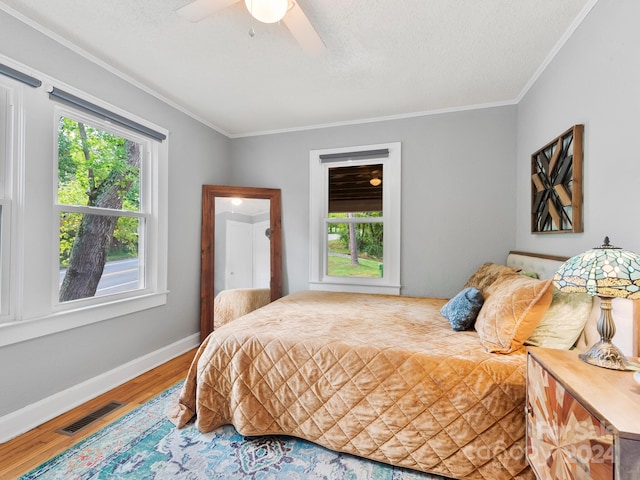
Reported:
(514, 307)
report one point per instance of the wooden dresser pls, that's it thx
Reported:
(583, 422)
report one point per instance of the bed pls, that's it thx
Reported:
(382, 377)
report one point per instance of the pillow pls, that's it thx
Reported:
(486, 275)
(564, 321)
(514, 308)
(462, 310)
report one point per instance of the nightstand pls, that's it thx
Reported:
(583, 422)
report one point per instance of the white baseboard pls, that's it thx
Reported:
(23, 420)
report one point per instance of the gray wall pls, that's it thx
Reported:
(458, 186)
(35, 369)
(594, 80)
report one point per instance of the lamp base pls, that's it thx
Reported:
(606, 354)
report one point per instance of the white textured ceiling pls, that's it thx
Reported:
(384, 58)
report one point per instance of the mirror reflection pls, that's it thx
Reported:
(251, 221)
(242, 243)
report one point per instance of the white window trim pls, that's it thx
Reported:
(10, 197)
(318, 174)
(16, 327)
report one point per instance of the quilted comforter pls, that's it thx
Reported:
(382, 377)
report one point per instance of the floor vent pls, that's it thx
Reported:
(87, 420)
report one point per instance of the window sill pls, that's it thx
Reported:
(23, 330)
(355, 288)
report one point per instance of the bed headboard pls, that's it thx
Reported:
(626, 313)
(544, 265)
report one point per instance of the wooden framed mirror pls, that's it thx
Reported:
(259, 208)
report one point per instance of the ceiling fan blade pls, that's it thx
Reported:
(301, 28)
(200, 9)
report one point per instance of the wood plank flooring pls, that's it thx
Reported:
(23, 453)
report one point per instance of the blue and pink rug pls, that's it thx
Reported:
(144, 444)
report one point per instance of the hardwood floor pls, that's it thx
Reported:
(22, 454)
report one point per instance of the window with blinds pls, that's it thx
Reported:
(355, 219)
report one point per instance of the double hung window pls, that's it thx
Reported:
(108, 209)
(355, 219)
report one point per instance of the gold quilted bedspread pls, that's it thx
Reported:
(382, 377)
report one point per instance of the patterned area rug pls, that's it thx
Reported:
(144, 444)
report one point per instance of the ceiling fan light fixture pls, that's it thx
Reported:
(375, 180)
(267, 11)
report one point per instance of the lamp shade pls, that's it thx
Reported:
(267, 11)
(606, 271)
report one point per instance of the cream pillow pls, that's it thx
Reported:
(564, 321)
(514, 307)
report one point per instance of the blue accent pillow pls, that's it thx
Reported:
(462, 310)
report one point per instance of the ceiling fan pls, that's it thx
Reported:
(287, 10)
